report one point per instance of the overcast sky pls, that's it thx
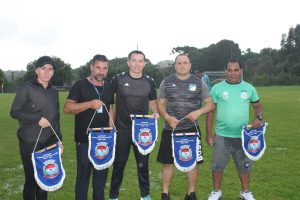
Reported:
(76, 30)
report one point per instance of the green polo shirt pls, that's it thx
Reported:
(232, 104)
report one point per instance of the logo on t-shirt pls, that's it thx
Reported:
(192, 87)
(244, 94)
(225, 95)
(126, 84)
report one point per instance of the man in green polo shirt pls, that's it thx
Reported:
(232, 98)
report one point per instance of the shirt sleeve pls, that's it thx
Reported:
(114, 84)
(254, 97)
(205, 91)
(213, 94)
(74, 93)
(18, 109)
(109, 93)
(58, 117)
(162, 93)
(153, 94)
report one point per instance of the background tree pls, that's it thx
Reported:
(212, 58)
(3, 81)
(119, 65)
(2, 77)
(62, 74)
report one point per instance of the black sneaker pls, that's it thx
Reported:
(191, 196)
(165, 196)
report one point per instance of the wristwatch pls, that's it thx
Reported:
(259, 117)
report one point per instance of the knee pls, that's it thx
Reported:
(215, 166)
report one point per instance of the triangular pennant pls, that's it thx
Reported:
(102, 148)
(253, 142)
(48, 169)
(186, 150)
(144, 134)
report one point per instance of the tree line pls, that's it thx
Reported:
(268, 67)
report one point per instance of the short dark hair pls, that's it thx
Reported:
(99, 57)
(183, 54)
(233, 60)
(136, 52)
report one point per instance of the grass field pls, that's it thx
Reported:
(275, 176)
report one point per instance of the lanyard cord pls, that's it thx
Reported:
(103, 104)
(99, 96)
(40, 135)
(108, 116)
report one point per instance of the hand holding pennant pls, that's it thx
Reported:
(253, 141)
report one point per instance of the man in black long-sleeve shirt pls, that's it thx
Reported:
(36, 106)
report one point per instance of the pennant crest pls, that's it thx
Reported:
(186, 150)
(145, 137)
(253, 141)
(185, 153)
(101, 151)
(48, 169)
(144, 134)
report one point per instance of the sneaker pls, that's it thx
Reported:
(165, 196)
(246, 195)
(191, 196)
(215, 195)
(113, 199)
(146, 197)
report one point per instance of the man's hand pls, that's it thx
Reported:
(210, 139)
(44, 122)
(61, 147)
(172, 121)
(193, 116)
(156, 115)
(96, 104)
(256, 123)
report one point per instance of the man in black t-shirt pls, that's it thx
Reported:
(87, 95)
(135, 94)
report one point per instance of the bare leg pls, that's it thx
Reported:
(217, 179)
(167, 173)
(245, 179)
(192, 179)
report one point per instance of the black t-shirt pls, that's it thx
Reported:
(132, 97)
(83, 91)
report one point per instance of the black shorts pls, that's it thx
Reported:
(165, 149)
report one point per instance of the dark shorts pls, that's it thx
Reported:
(224, 148)
(165, 149)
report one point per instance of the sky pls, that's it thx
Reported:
(76, 30)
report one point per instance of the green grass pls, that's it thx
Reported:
(275, 176)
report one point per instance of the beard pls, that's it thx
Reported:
(99, 77)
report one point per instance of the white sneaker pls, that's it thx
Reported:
(215, 195)
(146, 197)
(247, 195)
